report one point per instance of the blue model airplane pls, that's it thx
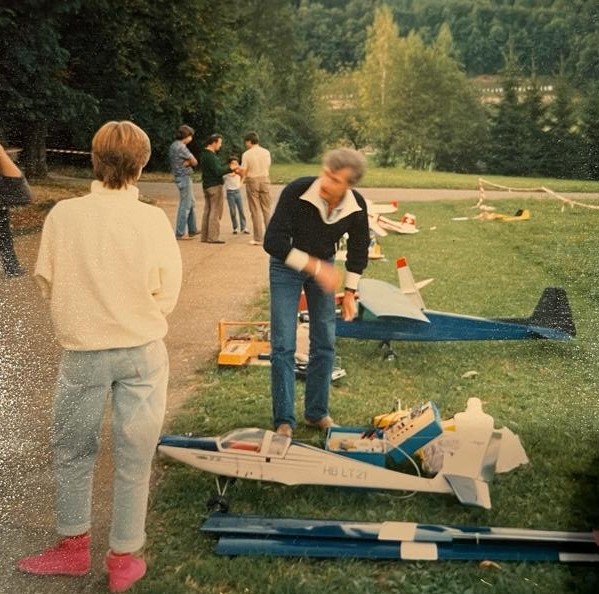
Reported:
(407, 541)
(387, 312)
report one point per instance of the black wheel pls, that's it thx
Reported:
(218, 503)
(388, 353)
(389, 356)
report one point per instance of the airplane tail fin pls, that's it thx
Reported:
(553, 313)
(474, 457)
(408, 285)
(470, 491)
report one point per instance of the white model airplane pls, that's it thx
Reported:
(261, 454)
(381, 224)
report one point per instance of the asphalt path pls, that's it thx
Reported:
(219, 282)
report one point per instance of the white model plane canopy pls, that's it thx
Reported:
(254, 440)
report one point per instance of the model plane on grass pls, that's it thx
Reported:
(387, 312)
(381, 224)
(263, 455)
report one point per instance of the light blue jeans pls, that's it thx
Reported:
(285, 289)
(186, 213)
(137, 378)
(235, 202)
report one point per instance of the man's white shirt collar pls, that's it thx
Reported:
(347, 206)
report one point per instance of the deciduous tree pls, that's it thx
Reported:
(35, 89)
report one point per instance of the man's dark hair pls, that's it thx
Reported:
(251, 137)
(212, 138)
(184, 131)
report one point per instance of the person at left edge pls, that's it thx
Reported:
(12, 185)
(182, 162)
(111, 269)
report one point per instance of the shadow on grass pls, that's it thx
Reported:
(584, 512)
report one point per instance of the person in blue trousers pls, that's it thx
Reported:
(312, 214)
(232, 184)
(182, 163)
(110, 268)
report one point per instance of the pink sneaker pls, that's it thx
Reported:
(71, 556)
(124, 571)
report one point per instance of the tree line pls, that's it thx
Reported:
(394, 76)
(546, 36)
(414, 103)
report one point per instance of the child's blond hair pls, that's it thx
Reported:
(120, 150)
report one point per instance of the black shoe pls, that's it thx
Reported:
(216, 241)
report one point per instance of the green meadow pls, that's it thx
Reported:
(546, 392)
(387, 177)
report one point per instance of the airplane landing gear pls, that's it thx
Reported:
(219, 502)
(387, 352)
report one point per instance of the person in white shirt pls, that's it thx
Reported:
(111, 268)
(232, 185)
(255, 168)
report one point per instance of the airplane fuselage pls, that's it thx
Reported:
(260, 454)
(444, 327)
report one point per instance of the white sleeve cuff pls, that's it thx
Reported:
(351, 280)
(297, 259)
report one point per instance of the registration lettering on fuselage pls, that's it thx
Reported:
(347, 473)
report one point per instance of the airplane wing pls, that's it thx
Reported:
(380, 207)
(405, 226)
(383, 300)
(373, 223)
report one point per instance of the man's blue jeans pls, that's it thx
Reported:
(186, 214)
(285, 289)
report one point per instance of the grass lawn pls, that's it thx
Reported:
(545, 392)
(397, 177)
(390, 177)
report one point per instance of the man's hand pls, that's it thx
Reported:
(326, 275)
(348, 306)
